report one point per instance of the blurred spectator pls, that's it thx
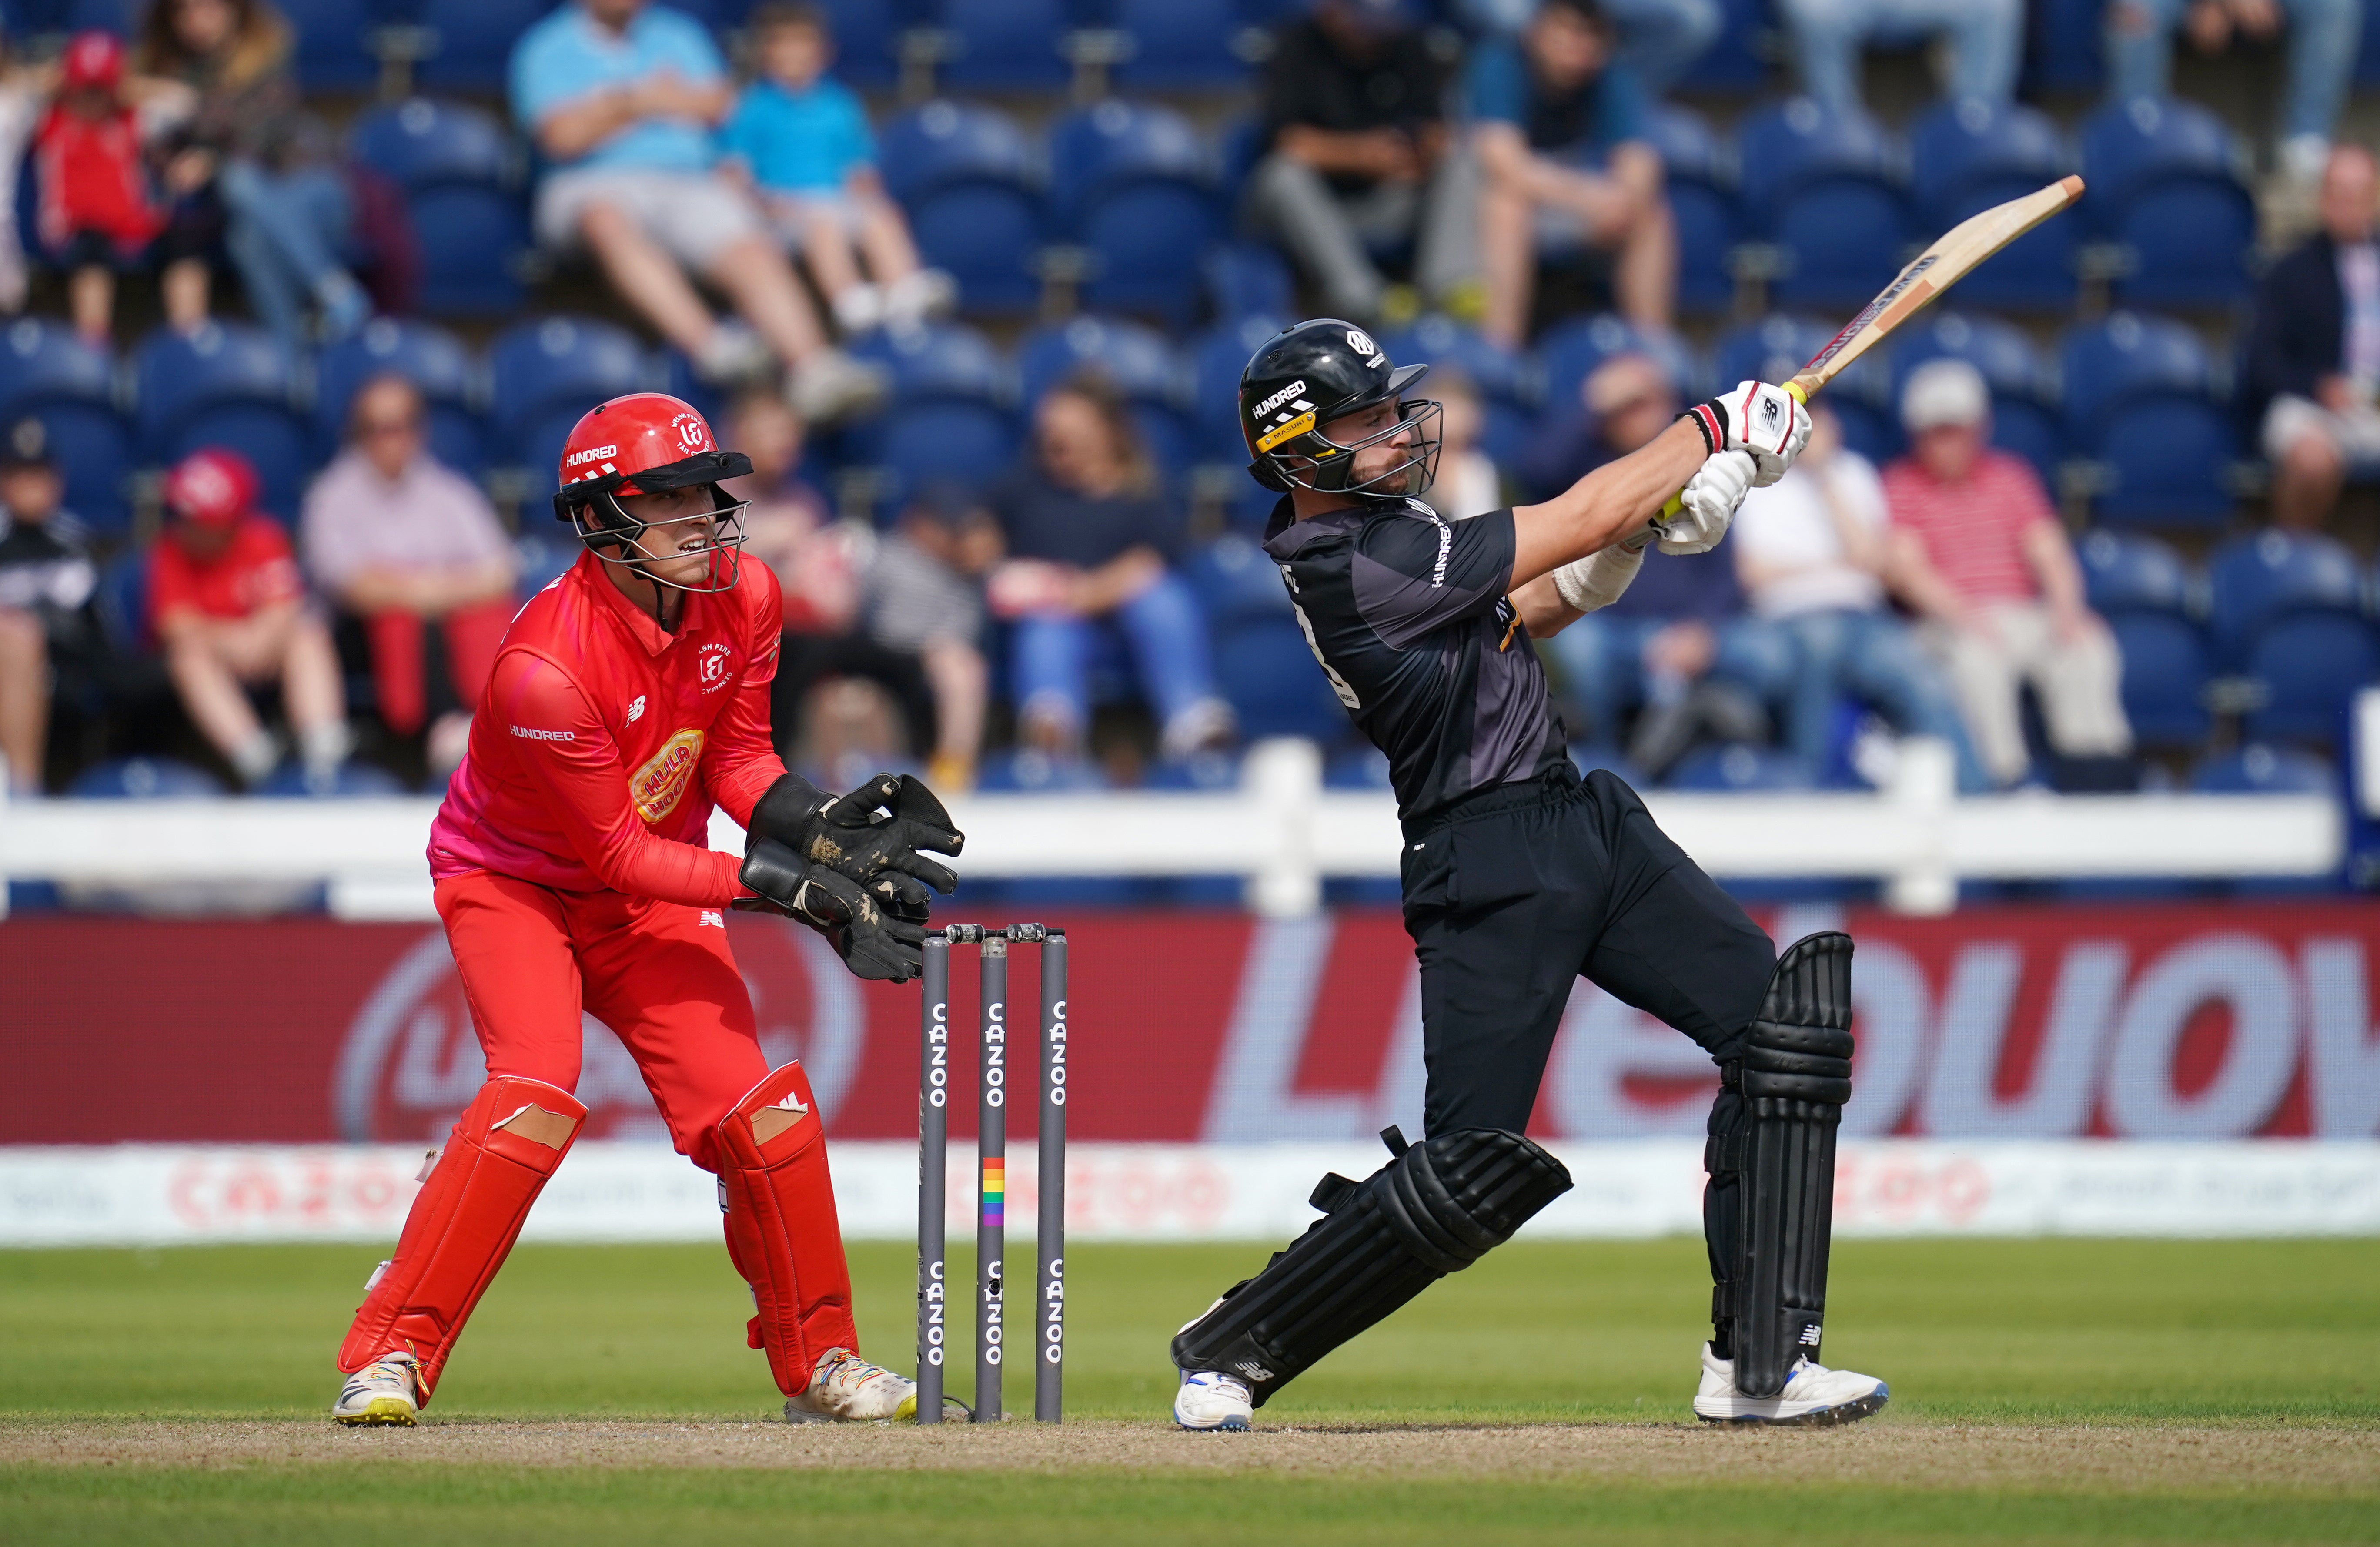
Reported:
(621, 98)
(1659, 40)
(2314, 351)
(46, 584)
(1092, 538)
(1678, 641)
(787, 524)
(94, 217)
(1976, 550)
(1560, 130)
(1982, 38)
(805, 141)
(1810, 552)
(22, 100)
(404, 543)
(1467, 482)
(226, 603)
(2323, 39)
(289, 217)
(1359, 160)
(925, 605)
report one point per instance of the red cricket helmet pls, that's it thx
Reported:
(643, 443)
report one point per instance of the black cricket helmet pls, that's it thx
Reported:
(1303, 379)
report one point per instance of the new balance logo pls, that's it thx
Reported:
(1810, 1336)
(637, 710)
(711, 917)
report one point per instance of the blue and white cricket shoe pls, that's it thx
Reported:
(1814, 1397)
(1210, 1400)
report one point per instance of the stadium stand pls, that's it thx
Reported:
(2145, 400)
(228, 385)
(1132, 186)
(969, 182)
(47, 371)
(1824, 187)
(461, 172)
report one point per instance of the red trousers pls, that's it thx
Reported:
(658, 974)
(472, 633)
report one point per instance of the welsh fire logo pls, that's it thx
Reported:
(660, 784)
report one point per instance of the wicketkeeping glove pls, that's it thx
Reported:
(879, 828)
(1707, 503)
(871, 942)
(1767, 421)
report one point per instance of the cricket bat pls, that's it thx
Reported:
(1932, 272)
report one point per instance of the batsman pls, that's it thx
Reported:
(573, 873)
(1520, 877)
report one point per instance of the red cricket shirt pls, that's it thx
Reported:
(255, 570)
(602, 742)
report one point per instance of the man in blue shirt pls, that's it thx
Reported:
(621, 98)
(1559, 131)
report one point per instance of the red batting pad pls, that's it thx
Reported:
(782, 1231)
(463, 1222)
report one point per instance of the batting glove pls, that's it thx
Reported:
(1767, 421)
(1707, 503)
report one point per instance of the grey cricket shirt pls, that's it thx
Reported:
(1407, 612)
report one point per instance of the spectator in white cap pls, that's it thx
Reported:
(1977, 550)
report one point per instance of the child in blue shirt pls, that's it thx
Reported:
(803, 141)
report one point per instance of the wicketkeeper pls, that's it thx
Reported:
(1520, 877)
(573, 874)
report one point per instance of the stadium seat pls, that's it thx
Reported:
(333, 37)
(2024, 418)
(1775, 348)
(1823, 186)
(2308, 667)
(867, 39)
(1701, 179)
(2166, 672)
(1268, 672)
(2254, 581)
(434, 360)
(475, 42)
(2258, 769)
(1506, 386)
(2126, 572)
(49, 372)
(969, 181)
(1216, 362)
(1739, 766)
(1134, 186)
(2142, 400)
(544, 373)
(461, 172)
(1138, 361)
(2062, 48)
(953, 410)
(348, 781)
(1236, 582)
(1004, 45)
(2165, 186)
(122, 602)
(1571, 351)
(1734, 65)
(1967, 156)
(1249, 278)
(225, 385)
(144, 779)
(1175, 45)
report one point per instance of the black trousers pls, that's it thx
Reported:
(1513, 895)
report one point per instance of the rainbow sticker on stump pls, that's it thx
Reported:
(995, 1190)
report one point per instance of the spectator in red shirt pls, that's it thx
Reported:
(1977, 551)
(226, 603)
(96, 218)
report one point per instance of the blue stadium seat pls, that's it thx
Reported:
(1571, 350)
(2166, 670)
(2258, 769)
(1269, 676)
(1199, 774)
(1199, 46)
(1005, 45)
(953, 410)
(122, 600)
(1775, 348)
(2254, 581)
(1249, 278)
(461, 171)
(2062, 48)
(544, 373)
(867, 39)
(2025, 417)
(2310, 666)
(2165, 185)
(1134, 186)
(1739, 766)
(1733, 66)
(225, 385)
(1236, 582)
(1967, 156)
(1701, 179)
(969, 181)
(1138, 361)
(2142, 399)
(332, 39)
(475, 42)
(434, 360)
(2126, 572)
(49, 372)
(348, 781)
(1505, 384)
(144, 779)
(1825, 188)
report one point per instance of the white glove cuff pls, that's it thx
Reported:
(1596, 580)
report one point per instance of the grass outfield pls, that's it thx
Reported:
(2042, 1390)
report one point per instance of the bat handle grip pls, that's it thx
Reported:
(1677, 501)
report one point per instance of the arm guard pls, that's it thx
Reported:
(1598, 579)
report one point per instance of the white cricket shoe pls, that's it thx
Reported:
(388, 1390)
(845, 1388)
(1814, 1397)
(1209, 1400)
